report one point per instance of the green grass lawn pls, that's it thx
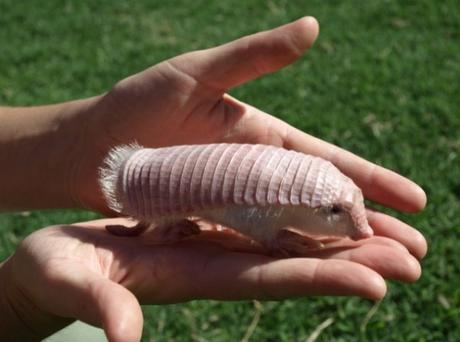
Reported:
(383, 81)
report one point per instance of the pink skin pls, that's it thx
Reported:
(254, 189)
(358, 215)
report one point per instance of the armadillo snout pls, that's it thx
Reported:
(358, 214)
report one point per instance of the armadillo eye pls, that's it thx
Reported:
(336, 209)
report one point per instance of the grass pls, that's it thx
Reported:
(381, 81)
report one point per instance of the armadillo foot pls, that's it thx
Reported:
(121, 230)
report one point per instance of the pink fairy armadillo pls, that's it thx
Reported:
(258, 190)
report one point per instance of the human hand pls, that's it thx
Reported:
(183, 101)
(82, 272)
(179, 101)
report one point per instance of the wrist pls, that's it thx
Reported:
(94, 143)
(41, 150)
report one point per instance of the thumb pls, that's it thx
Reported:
(244, 59)
(117, 310)
(94, 299)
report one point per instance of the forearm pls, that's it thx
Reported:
(40, 152)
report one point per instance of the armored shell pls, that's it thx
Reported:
(256, 189)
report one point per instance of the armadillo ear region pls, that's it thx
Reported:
(111, 172)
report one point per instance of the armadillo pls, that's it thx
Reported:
(258, 190)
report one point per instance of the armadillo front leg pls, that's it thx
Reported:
(174, 231)
(288, 243)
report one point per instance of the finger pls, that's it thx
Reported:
(93, 299)
(375, 240)
(389, 262)
(378, 184)
(388, 226)
(289, 278)
(401, 265)
(200, 270)
(244, 59)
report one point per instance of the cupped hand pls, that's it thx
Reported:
(183, 101)
(83, 272)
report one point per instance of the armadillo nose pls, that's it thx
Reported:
(363, 233)
(368, 231)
